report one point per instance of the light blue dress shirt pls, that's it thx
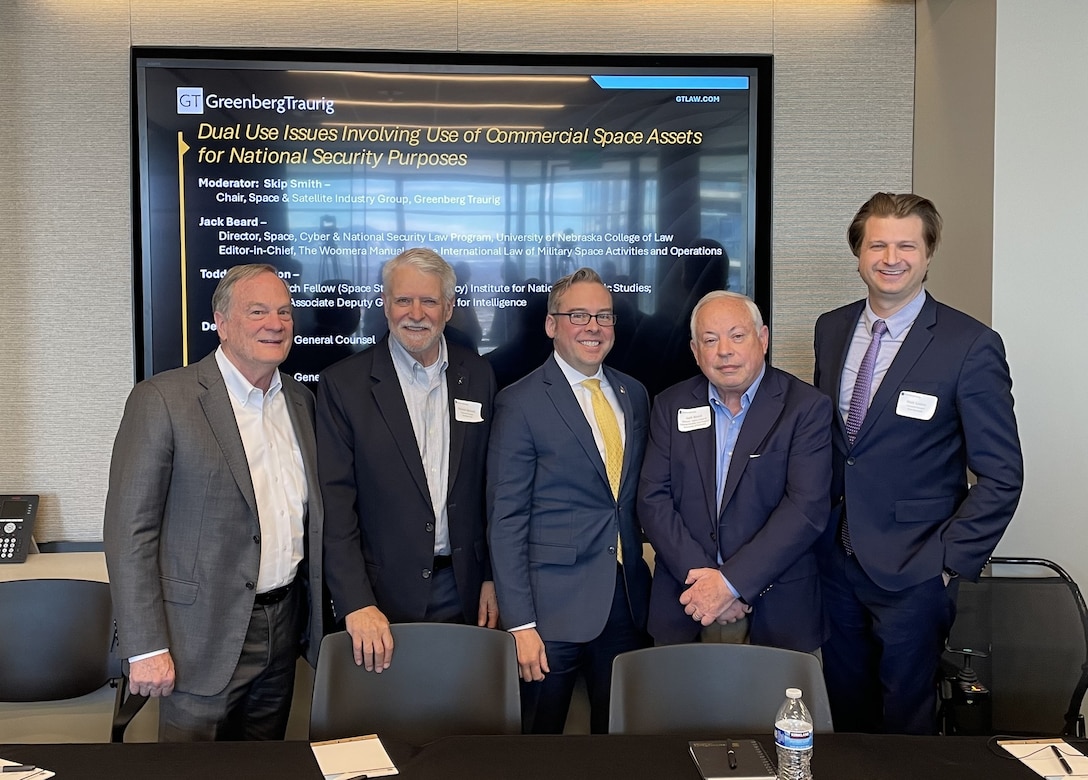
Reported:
(726, 430)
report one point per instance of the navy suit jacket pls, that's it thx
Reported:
(903, 483)
(553, 520)
(774, 508)
(380, 525)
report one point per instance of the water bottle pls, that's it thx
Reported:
(793, 738)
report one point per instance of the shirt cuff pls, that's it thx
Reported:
(142, 656)
(728, 584)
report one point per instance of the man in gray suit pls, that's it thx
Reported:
(213, 525)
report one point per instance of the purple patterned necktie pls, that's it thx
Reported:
(859, 405)
(859, 400)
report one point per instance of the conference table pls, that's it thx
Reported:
(836, 757)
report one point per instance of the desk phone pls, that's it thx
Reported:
(17, 515)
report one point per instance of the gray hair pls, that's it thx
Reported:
(223, 296)
(426, 261)
(713, 295)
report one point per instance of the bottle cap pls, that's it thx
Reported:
(793, 693)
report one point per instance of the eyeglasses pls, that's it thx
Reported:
(605, 319)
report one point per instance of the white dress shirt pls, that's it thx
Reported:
(584, 396)
(277, 471)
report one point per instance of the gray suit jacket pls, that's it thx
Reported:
(181, 531)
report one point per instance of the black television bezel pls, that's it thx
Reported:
(760, 65)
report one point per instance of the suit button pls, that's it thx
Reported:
(251, 585)
(256, 539)
(430, 527)
(849, 461)
(426, 574)
(713, 537)
(611, 550)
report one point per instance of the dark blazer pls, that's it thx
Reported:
(774, 508)
(905, 479)
(380, 525)
(181, 532)
(553, 520)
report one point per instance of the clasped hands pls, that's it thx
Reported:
(708, 598)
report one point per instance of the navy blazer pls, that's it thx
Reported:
(380, 525)
(553, 521)
(903, 483)
(774, 508)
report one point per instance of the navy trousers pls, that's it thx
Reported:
(881, 660)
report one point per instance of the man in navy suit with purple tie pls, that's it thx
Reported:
(924, 395)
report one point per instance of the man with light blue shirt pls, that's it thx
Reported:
(734, 491)
(924, 395)
(402, 432)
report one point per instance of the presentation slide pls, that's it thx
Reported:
(516, 173)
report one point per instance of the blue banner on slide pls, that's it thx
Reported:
(672, 82)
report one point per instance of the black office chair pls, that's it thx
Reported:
(712, 689)
(444, 680)
(56, 642)
(1017, 659)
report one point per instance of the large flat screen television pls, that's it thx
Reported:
(653, 170)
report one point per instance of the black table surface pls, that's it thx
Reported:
(836, 757)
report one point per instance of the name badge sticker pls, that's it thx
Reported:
(917, 406)
(693, 419)
(468, 411)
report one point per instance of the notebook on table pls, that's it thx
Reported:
(731, 759)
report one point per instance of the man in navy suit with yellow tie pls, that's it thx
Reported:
(924, 395)
(562, 470)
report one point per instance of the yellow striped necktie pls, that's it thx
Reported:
(613, 442)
